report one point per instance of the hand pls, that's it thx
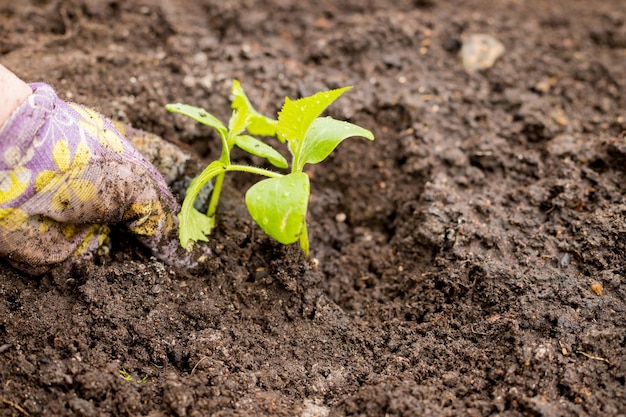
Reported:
(66, 175)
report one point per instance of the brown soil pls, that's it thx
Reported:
(480, 269)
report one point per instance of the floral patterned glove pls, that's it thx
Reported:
(66, 174)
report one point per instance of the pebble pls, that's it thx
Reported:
(480, 51)
(596, 287)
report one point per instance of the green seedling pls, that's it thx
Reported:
(128, 377)
(279, 203)
(125, 374)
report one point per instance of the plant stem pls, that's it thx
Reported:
(217, 188)
(304, 240)
(215, 195)
(254, 170)
(219, 181)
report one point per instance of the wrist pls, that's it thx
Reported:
(13, 92)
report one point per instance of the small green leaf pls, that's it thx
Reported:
(194, 225)
(261, 125)
(262, 149)
(323, 137)
(238, 122)
(257, 124)
(279, 206)
(296, 116)
(199, 115)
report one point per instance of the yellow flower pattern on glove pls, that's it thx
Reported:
(93, 123)
(14, 182)
(14, 185)
(66, 182)
(145, 218)
(12, 219)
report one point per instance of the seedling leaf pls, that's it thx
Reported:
(262, 149)
(238, 122)
(323, 137)
(257, 123)
(199, 115)
(296, 116)
(193, 224)
(279, 206)
(197, 226)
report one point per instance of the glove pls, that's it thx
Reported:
(67, 174)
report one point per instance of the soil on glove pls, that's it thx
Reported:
(470, 261)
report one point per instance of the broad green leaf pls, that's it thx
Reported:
(279, 206)
(323, 137)
(296, 116)
(257, 124)
(193, 224)
(199, 115)
(262, 149)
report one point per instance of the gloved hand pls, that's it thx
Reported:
(67, 174)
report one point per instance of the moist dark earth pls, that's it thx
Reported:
(470, 261)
